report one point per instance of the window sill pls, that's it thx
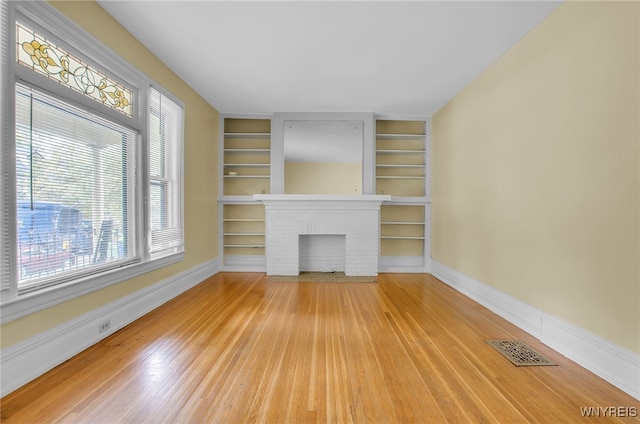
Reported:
(30, 303)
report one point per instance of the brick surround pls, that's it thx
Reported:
(288, 217)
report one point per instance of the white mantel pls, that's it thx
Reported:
(289, 216)
(344, 198)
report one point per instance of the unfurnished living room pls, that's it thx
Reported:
(320, 211)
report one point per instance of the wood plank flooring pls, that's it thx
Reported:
(242, 348)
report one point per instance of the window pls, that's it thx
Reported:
(165, 179)
(74, 190)
(93, 180)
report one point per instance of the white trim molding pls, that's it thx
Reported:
(613, 363)
(26, 360)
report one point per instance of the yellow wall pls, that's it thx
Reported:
(201, 129)
(322, 178)
(536, 171)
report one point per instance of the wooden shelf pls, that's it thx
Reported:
(383, 136)
(247, 135)
(247, 151)
(392, 165)
(399, 152)
(400, 177)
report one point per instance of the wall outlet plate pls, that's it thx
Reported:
(104, 326)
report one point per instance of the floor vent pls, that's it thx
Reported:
(518, 353)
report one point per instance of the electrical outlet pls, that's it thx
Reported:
(104, 326)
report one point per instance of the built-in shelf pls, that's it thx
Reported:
(255, 239)
(246, 156)
(401, 158)
(399, 165)
(247, 165)
(246, 176)
(247, 135)
(247, 151)
(400, 177)
(245, 170)
(398, 151)
(402, 230)
(401, 136)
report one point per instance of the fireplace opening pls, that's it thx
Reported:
(322, 252)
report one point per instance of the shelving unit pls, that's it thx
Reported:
(246, 156)
(402, 231)
(396, 162)
(402, 170)
(243, 234)
(401, 158)
(245, 171)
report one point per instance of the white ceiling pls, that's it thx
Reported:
(389, 57)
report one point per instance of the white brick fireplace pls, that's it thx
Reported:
(289, 216)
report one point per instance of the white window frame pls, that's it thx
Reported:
(173, 185)
(50, 23)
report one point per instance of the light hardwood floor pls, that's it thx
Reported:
(240, 348)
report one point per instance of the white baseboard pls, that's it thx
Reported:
(513, 310)
(613, 363)
(24, 361)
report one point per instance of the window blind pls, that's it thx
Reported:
(74, 189)
(166, 123)
(5, 166)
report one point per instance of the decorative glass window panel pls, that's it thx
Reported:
(166, 123)
(42, 56)
(74, 189)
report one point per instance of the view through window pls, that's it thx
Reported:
(74, 189)
(165, 158)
